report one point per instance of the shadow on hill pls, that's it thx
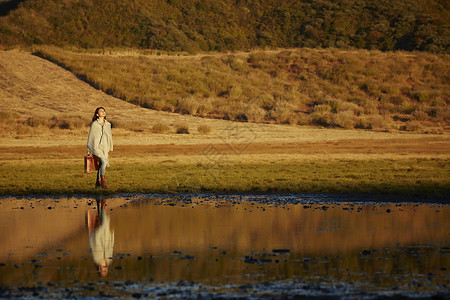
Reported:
(84, 78)
(81, 77)
(7, 6)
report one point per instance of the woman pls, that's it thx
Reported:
(99, 143)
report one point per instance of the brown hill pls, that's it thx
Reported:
(34, 87)
(330, 88)
(37, 97)
(36, 94)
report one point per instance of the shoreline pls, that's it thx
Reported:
(269, 198)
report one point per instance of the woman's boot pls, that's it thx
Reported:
(98, 183)
(103, 182)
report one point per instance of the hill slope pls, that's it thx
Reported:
(36, 94)
(331, 88)
(205, 25)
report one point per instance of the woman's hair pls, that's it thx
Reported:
(95, 117)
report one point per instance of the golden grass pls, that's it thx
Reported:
(204, 129)
(333, 88)
(12, 123)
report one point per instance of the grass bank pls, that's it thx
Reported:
(427, 177)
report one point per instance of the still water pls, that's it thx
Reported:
(223, 242)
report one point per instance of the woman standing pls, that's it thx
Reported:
(99, 143)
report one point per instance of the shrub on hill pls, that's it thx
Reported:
(337, 88)
(220, 25)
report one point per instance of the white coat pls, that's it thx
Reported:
(100, 140)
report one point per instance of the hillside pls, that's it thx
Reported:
(331, 88)
(220, 25)
(43, 105)
(39, 99)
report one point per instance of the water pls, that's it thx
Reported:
(228, 245)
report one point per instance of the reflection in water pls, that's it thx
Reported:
(160, 227)
(215, 242)
(101, 237)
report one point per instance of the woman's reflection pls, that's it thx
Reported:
(101, 237)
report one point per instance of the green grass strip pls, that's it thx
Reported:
(409, 176)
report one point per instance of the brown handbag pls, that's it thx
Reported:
(88, 164)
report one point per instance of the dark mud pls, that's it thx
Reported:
(191, 290)
(273, 199)
(280, 199)
(226, 247)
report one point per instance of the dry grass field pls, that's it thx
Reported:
(331, 88)
(44, 117)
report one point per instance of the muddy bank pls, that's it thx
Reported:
(263, 198)
(192, 290)
(328, 198)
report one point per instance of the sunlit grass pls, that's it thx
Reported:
(409, 176)
(333, 88)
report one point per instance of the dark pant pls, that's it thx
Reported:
(101, 167)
